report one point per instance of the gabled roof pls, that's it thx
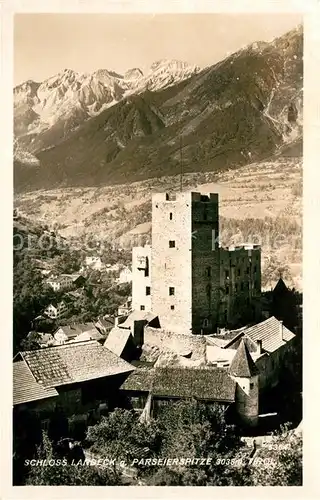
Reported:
(242, 364)
(73, 362)
(117, 340)
(271, 332)
(202, 383)
(25, 386)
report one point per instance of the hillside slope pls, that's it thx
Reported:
(259, 203)
(241, 110)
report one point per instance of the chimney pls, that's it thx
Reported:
(281, 328)
(138, 332)
(259, 344)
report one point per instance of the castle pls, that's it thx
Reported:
(186, 278)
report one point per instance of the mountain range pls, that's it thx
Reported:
(104, 128)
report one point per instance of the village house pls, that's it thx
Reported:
(65, 282)
(105, 324)
(76, 377)
(125, 275)
(126, 308)
(77, 332)
(57, 311)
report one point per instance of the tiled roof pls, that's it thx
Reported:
(181, 344)
(73, 362)
(25, 386)
(117, 340)
(202, 383)
(269, 332)
(242, 364)
(139, 380)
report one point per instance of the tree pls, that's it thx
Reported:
(285, 469)
(61, 473)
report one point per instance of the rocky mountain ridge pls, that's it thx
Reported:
(70, 98)
(246, 108)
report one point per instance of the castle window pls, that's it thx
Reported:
(208, 271)
(205, 322)
(142, 308)
(148, 290)
(170, 216)
(236, 287)
(251, 385)
(226, 274)
(239, 272)
(241, 287)
(146, 270)
(248, 270)
(171, 290)
(167, 197)
(172, 308)
(227, 290)
(255, 269)
(172, 243)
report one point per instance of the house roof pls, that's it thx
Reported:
(72, 331)
(269, 332)
(90, 335)
(106, 322)
(242, 365)
(202, 383)
(117, 340)
(73, 362)
(25, 386)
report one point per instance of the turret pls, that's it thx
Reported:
(244, 371)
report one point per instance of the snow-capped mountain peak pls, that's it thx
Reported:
(71, 97)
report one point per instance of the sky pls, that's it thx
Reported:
(45, 44)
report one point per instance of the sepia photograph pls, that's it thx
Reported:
(157, 249)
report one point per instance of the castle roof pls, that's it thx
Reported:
(177, 382)
(280, 287)
(242, 364)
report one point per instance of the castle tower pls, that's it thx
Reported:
(244, 371)
(185, 276)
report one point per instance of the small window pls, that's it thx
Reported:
(241, 287)
(239, 272)
(236, 287)
(172, 308)
(227, 274)
(248, 270)
(148, 290)
(205, 322)
(208, 272)
(227, 290)
(251, 385)
(172, 244)
(255, 269)
(171, 290)
(142, 308)
(170, 216)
